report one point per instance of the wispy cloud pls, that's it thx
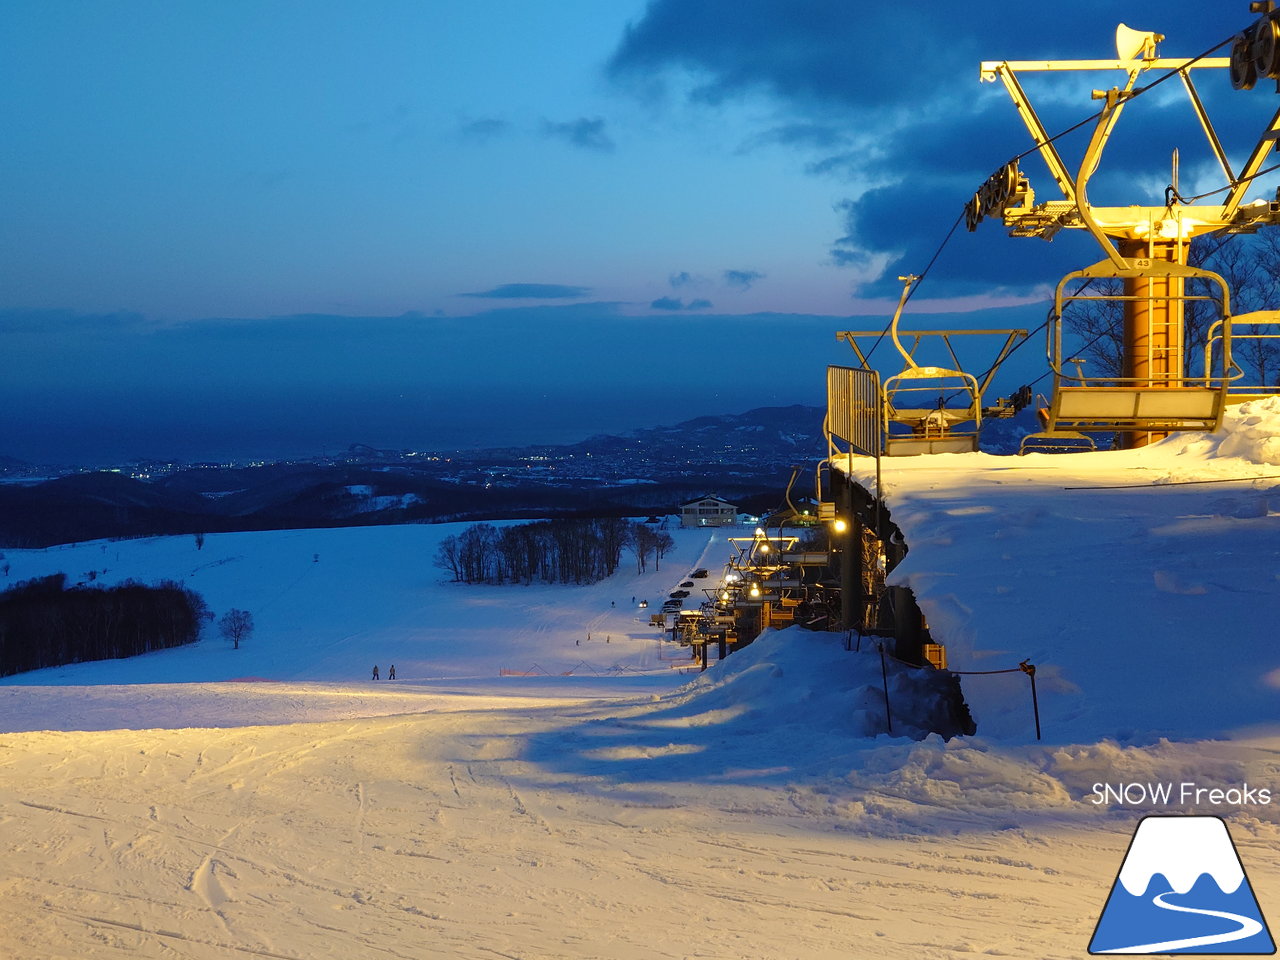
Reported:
(820, 136)
(531, 291)
(742, 279)
(586, 132)
(686, 279)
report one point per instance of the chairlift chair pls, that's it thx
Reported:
(1055, 441)
(913, 425)
(1158, 401)
(932, 409)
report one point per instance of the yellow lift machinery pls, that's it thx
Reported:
(1146, 247)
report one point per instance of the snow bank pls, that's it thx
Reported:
(803, 678)
(1250, 432)
(1141, 583)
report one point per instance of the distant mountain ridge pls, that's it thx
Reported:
(796, 426)
(744, 456)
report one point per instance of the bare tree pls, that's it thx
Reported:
(448, 556)
(643, 544)
(1098, 325)
(1261, 350)
(662, 542)
(236, 625)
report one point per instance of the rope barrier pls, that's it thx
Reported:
(1026, 666)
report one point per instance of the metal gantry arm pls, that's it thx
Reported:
(1011, 341)
(1039, 135)
(1207, 125)
(1115, 100)
(1267, 142)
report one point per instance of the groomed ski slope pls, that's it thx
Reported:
(168, 807)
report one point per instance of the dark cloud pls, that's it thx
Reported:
(821, 136)
(986, 261)
(893, 102)
(821, 55)
(675, 303)
(742, 279)
(587, 133)
(531, 291)
(484, 129)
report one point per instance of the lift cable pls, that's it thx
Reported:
(1172, 192)
(920, 279)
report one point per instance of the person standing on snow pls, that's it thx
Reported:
(375, 671)
(391, 674)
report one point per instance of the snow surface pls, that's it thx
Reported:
(170, 806)
(1144, 595)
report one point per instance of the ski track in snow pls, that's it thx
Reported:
(450, 834)
(362, 838)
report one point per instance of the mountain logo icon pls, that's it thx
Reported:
(1182, 889)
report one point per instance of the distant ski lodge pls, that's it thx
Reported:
(708, 512)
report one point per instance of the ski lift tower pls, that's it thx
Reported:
(1146, 247)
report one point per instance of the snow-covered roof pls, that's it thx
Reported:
(697, 500)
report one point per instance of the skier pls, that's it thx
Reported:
(375, 671)
(391, 674)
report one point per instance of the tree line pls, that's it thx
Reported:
(45, 623)
(550, 551)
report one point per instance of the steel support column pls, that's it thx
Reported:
(1153, 351)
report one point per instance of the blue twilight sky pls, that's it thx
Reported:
(270, 227)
